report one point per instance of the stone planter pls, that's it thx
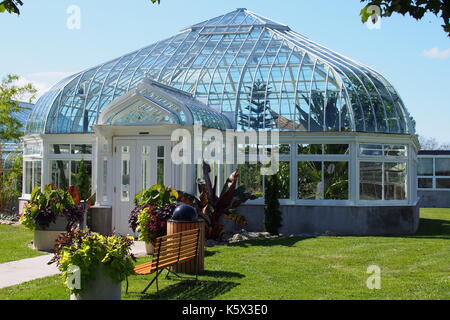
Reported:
(102, 287)
(149, 248)
(44, 239)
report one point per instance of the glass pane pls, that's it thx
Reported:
(371, 150)
(250, 176)
(442, 167)
(395, 150)
(145, 167)
(285, 149)
(60, 148)
(425, 167)
(371, 181)
(336, 149)
(310, 185)
(125, 173)
(160, 169)
(28, 177)
(105, 179)
(59, 173)
(309, 149)
(425, 183)
(81, 149)
(336, 180)
(283, 176)
(161, 152)
(37, 173)
(74, 168)
(443, 183)
(395, 181)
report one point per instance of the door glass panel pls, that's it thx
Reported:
(125, 174)
(146, 167)
(160, 169)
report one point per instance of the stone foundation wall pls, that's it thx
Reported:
(356, 221)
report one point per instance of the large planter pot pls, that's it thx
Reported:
(149, 248)
(102, 287)
(44, 239)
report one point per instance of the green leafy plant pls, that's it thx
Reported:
(46, 206)
(88, 251)
(214, 208)
(153, 207)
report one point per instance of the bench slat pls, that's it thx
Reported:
(171, 250)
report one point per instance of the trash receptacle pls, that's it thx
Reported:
(180, 223)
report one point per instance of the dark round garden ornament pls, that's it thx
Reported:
(185, 212)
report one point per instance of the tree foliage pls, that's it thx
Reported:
(432, 144)
(257, 116)
(272, 213)
(10, 94)
(13, 6)
(415, 8)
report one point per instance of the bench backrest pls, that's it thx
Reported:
(175, 248)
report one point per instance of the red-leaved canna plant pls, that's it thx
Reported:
(215, 208)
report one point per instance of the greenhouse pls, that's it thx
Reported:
(348, 147)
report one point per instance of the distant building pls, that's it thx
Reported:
(433, 179)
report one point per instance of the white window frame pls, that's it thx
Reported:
(382, 159)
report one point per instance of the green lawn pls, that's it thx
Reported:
(14, 242)
(412, 267)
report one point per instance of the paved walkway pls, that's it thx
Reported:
(17, 272)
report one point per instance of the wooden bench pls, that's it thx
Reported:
(169, 251)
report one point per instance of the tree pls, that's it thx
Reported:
(272, 213)
(258, 115)
(12, 6)
(82, 181)
(432, 144)
(10, 130)
(10, 94)
(415, 8)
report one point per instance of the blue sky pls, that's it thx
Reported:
(413, 56)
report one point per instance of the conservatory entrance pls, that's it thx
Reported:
(138, 164)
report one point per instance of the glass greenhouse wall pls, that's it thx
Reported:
(230, 61)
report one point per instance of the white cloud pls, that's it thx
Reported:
(435, 53)
(43, 81)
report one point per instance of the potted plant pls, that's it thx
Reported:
(93, 266)
(50, 213)
(153, 207)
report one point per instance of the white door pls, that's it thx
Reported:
(139, 164)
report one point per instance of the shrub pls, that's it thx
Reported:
(272, 213)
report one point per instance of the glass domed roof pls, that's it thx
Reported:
(269, 76)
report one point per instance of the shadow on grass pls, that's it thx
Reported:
(190, 290)
(433, 229)
(222, 274)
(281, 241)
